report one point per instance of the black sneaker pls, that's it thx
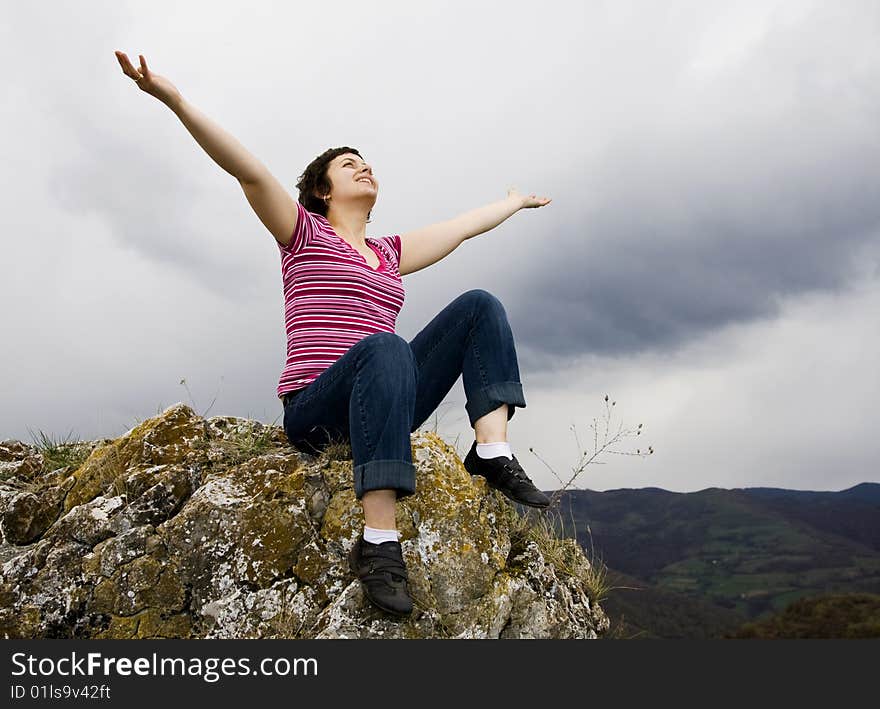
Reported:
(382, 572)
(506, 475)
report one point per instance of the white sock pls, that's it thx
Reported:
(493, 450)
(377, 536)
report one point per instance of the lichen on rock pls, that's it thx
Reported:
(185, 528)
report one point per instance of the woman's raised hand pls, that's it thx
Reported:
(149, 81)
(528, 201)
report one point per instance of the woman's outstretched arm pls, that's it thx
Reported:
(421, 248)
(223, 148)
(273, 204)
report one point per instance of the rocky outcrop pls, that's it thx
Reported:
(187, 527)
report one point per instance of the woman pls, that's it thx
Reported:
(348, 376)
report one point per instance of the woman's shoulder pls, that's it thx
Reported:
(310, 229)
(391, 245)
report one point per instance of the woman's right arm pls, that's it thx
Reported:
(222, 146)
(272, 203)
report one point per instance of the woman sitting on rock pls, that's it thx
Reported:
(348, 376)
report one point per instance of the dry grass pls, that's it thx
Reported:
(61, 453)
(337, 450)
(563, 553)
(248, 441)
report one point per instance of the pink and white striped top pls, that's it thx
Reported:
(332, 297)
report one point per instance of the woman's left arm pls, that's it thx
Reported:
(424, 247)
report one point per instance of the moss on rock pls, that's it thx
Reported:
(186, 527)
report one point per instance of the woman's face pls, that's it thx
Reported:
(351, 178)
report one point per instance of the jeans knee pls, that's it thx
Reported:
(391, 351)
(480, 299)
(386, 343)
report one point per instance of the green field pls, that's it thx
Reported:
(749, 553)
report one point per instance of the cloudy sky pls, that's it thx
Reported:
(709, 259)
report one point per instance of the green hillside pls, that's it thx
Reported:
(749, 552)
(641, 612)
(835, 616)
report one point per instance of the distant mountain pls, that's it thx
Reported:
(869, 492)
(712, 558)
(850, 513)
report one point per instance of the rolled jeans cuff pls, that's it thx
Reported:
(385, 475)
(491, 397)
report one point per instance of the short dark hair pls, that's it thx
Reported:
(314, 182)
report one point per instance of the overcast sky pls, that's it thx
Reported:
(709, 259)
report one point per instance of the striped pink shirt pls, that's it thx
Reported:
(332, 297)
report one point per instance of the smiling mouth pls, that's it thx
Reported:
(367, 180)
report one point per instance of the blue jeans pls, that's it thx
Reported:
(383, 388)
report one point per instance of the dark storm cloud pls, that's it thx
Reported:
(631, 287)
(708, 219)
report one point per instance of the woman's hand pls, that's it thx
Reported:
(527, 201)
(148, 81)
